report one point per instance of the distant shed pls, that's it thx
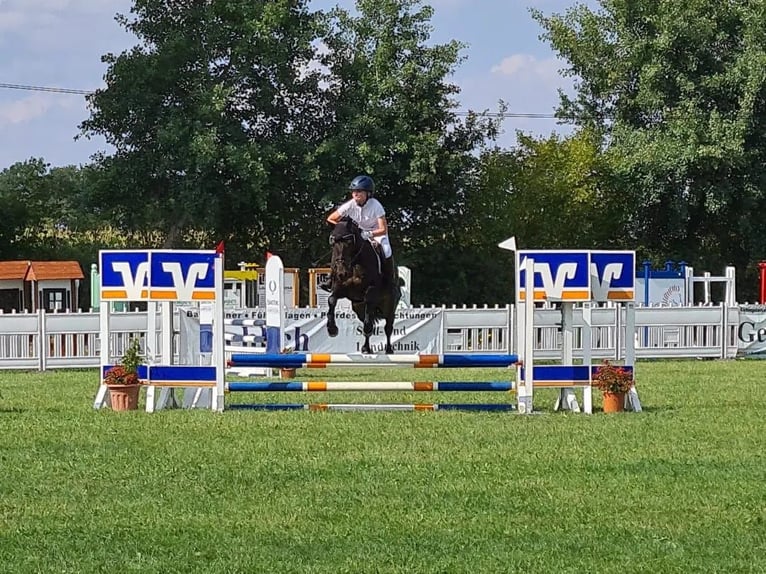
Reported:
(33, 285)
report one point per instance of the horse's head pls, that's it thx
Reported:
(346, 241)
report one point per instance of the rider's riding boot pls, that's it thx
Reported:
(389, 273)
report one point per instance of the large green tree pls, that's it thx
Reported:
(206, 112)
(678, 90)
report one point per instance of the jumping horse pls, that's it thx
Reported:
(356, 275)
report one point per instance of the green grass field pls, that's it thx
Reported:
(680, 487)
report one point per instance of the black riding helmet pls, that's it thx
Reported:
(363, 182)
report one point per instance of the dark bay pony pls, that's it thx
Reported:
(355, 274)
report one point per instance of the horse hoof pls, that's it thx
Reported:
(332, 331)
(366, 350)
(389, 350)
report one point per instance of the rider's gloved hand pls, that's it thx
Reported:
(366, 234)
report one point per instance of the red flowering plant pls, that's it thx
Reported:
(612, 378)
(126, 372)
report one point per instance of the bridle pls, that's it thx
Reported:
(340, 262)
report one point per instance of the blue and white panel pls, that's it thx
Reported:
(561, 275)
(613, 275)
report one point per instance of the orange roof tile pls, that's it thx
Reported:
(40, 270)
(10, 270)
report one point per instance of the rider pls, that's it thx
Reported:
(369, 215)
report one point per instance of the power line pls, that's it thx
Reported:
(44, 89)
(503, 115)
(498, 115)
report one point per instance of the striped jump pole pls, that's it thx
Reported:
(375, 407)
(322, 360)
(324, 386)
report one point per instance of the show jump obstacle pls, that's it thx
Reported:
(163, 278)
(566, 277)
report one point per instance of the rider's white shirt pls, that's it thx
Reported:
(365, 216)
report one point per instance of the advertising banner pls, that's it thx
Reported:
(751, 332)
(305, 330)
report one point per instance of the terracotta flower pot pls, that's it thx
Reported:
(124, 397)
(614, 402)
(286, 373)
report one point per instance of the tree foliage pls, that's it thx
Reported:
(678, 91)
(206, 112)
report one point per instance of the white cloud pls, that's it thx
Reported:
(445, 3)
(526, 66)
(35, 106)
(42, 14)
(25, 109)
(37, 6)
(11, 20)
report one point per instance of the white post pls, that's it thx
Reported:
(42, 340)
(587, 355)
(689, 278)
(150, 351)
(731, 287)
(275, 312)
(219, 358)
(630, 354)
(724, 329)
(102, 397)
(567, 400)
(526, 390)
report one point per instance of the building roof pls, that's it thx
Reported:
(13, 269)
(40, 270)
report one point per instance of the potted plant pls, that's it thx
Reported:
(614, 381)
(122, 379)
(287, 373)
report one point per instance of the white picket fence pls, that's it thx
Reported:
(41, 341)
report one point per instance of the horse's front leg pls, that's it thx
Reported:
(367, 327)
(389, 329)
(332, 328)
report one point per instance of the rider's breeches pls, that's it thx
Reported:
(385, 244)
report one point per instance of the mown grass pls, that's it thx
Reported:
(680, 487)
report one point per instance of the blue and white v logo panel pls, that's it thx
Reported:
(613, 275)
(157, 275)
(558, 275)
(182, 276)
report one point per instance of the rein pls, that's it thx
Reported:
(341, 261)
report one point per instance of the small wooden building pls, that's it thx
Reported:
(33, 285)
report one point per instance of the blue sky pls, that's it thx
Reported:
(59, 43)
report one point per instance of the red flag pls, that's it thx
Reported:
(219, 248)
